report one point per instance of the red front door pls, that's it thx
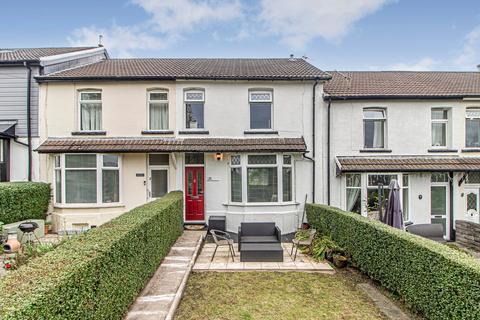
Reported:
(194, 185)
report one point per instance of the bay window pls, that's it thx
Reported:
(194, 109)
(87, 178)
(268, 178)
(260, 109)
(90, 110)
(439, 127)
(472, 128)
(374, 128)
(158, 110)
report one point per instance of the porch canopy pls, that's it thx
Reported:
(7, 129)
(148, 144)
(346, 164)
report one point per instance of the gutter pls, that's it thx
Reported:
(396, 97)
(29, 119)
(314, 89)
(328, 150)
(53, 78)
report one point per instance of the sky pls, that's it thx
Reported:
(332, 34)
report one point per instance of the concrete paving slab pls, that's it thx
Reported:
(160, 297)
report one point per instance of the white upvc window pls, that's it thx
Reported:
(87, 179)
(472, 128)
(157, 110)
(406, 197)
(374, 120)
(194, 109)
(354, 192)
(90, 109)
(439, 127)
(260, 109)
(261, 178)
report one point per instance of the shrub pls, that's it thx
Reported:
(97, 274)
(433, 279)
(23, 200)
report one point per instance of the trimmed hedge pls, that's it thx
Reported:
(436, 281)
(23, 200)
(98, 274)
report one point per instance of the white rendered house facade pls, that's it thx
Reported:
(425, 135)
(235, 135)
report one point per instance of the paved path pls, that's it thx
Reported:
(383, 303)
(223, 261)
(161, 296)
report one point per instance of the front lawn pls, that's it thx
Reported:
(274, 295)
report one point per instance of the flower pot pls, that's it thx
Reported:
(340, 261)
(305, 226)
(46, 228)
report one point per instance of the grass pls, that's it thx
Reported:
(275, 295)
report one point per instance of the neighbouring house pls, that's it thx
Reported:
(421, 128)
(235, 135)
(19, 102)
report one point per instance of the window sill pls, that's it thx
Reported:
(471, 150)
(157, 132)
(193, 132)
(89, 133)
(375, 150)
(88, 205)
(260, 131)
(440, 150)
(260, 204)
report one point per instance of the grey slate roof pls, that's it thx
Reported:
(34, 54)
(407, 164)
(144, 144)
(402, 84)
(185, 68)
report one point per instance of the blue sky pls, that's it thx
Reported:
(333, 34)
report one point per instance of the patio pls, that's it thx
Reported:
(223, 261)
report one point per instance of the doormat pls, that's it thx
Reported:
(194, 226)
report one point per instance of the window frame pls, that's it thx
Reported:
(79, 104)
(167, 101)
(446, 122)
(279, 169)
(383, 119)
(99, 181)
(186, 101)
(466, 120)
(253, 102)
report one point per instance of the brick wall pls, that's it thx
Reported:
(468, 234)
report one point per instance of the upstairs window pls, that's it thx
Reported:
(472, 128)
(91, 111)
(439, 127)
(260, 109)
(158, 110)
(374, 128)
(194, 109)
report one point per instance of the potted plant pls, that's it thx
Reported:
(47, 226)
(339, 260)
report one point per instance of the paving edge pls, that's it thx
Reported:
(386, 306)
(181, 288)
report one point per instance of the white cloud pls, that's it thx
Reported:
(175, 17)
(118, 39)
(298, 22)
(425, 64)
(470, 54)
(168, 21)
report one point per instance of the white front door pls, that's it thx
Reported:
(440, 206)
(158, 182)
(471, 204)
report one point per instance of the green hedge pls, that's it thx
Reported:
(436, 281)
(98, 274)
(23, 200)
